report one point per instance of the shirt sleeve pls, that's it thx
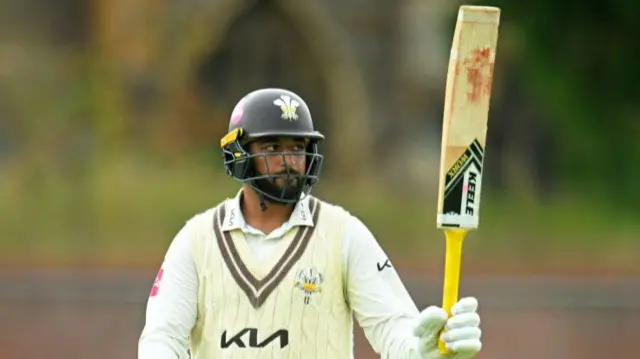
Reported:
(172, 305)
(378, 298)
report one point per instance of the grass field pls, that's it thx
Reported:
(126, 213)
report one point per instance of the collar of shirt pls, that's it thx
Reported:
(234, 219)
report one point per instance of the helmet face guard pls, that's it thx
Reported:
(239, 164)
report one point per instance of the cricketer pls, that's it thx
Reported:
(277, 273)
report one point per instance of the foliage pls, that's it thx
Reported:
(578, 62)
(129, 209)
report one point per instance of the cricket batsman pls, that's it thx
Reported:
(275, 272)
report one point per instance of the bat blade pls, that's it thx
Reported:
(466, 109)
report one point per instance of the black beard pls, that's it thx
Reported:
(291, 190)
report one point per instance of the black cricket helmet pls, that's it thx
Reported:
(271, 113)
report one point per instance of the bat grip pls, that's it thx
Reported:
(453, 256)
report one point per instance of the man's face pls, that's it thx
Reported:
(282, 156)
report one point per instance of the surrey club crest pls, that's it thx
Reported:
(309, 281)
(288, 107)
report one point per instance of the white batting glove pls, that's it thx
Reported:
(461, 331)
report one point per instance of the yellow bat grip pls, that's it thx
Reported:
(452, 261)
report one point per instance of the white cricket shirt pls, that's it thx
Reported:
(376, 295)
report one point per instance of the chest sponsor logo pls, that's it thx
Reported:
(251, 338)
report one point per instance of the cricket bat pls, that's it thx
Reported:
(466, 110)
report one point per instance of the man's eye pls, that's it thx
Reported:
(270, 148)
(298, 148)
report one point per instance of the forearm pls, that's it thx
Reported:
(381, 304)
(396, 339)
(172, 305)
(158, 345)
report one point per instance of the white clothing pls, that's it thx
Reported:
(372, 288)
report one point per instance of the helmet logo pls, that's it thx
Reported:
(288, 107)
(236, 115)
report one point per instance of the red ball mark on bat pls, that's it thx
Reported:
(479, 74)
(156, 283)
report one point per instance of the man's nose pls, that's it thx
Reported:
(291, 158)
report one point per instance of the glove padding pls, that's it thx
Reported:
(461, 331)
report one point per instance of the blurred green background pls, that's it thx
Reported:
(111, 112)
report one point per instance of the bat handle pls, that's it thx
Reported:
(453, 256)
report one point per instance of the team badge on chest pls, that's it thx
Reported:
(309, 281)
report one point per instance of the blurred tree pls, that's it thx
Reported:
(578, 61)
(151, 58)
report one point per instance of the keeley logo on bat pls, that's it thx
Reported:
(470, 186)
(239, 339)
(462, 188)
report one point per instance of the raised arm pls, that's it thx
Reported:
(380, 302)
(388, 315)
